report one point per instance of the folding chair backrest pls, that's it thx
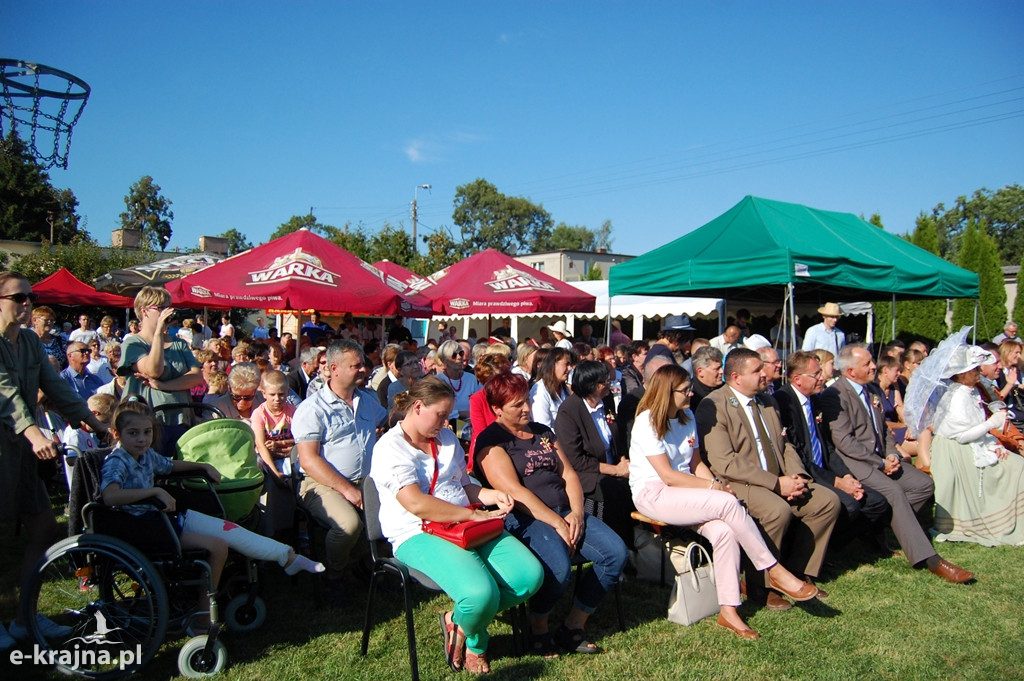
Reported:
(379, 546)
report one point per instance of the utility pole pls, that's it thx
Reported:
(415, 213)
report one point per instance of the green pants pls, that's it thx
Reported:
(482, 581)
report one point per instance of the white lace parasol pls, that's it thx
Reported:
(927, 384)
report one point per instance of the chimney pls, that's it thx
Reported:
(213, 244)
(126, 238)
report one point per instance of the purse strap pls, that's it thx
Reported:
(437, 465)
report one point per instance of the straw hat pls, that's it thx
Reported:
(830, 310)
(559, 327)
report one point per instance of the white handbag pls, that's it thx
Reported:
(694, 596)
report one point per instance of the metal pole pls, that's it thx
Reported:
(974, 331)
(893, 316)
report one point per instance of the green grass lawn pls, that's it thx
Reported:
(883, 620)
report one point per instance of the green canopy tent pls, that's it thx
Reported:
(760, 244)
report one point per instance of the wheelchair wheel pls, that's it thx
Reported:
(241, 616)
(195, 663)
(107, 600)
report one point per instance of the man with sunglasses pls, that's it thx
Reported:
(82, 381)
(863, 511)
(24, 373)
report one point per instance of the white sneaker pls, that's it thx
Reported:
(6, 642)
(47, 627)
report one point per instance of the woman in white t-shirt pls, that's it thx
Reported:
(551, 389)
(671, 483)
(420, 472)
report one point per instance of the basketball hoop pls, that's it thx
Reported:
(46, 101)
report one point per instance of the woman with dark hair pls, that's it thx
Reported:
(633, 370)
(538, 362)
(672, 484)
(482, 581)
(586, 430)
(550, 390)
(523, 458)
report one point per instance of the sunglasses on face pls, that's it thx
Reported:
(84, 351)
(457, 355)
(242, 398)
(20, 298)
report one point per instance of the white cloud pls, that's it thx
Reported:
(433, 148)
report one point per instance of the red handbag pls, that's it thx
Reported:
(466, 534)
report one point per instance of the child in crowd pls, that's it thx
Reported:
(128, 479)
(79, 440)
(217, 385)
(272, 424)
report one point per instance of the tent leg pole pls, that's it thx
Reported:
(893, 316)
(974, 331)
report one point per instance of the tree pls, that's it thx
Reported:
(593, 273)
(82, 256)
(237, 242)
(28, 202)
(1018, 302)
(442, 251)
(391, 244)
(1001, 211)
(297, 222)
(148, 211)
(979, 253)
(570, 238)
(486, 218)
(923, 318)
(354, 241)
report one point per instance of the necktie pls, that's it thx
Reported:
(871, 415)
(815, 442)
(766, 443)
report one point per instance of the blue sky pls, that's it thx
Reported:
(657, 116)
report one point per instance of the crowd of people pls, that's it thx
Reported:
(776, 452)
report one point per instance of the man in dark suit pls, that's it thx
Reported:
(707, 374)
(585, 427)
(863, 509)
(309, 363)
(860, 436)
(741, 440)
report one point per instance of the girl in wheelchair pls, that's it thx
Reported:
(128, 482)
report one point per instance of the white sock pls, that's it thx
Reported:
(302, 563)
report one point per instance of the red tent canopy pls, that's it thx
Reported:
(494, 283)
(299, 271)
(64, 288)
(402, 280)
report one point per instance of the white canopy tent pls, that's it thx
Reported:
(619, 307)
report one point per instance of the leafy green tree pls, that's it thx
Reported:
(570, 238)
(392, 244)
(1002, 211)
(883, 308)
(147, 210)
(297, 222)
(923, 318)
(1018, 302)
(237, 242)
(28, 202)
(355, 241)
(82, 256)
(486, 218)
(979, 253)
(593, 273)
(442, 251)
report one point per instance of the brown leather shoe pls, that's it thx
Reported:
(805, 593)
(951, 573)
(748, 633)
(822, 594)
(776, 602)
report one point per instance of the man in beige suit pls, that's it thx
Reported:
(854, 413)
(742, 441)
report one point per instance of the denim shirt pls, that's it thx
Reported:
(346, 435)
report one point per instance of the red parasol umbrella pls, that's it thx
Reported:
(64, 288)
(299, 271)
(494, 283)
(404, 281)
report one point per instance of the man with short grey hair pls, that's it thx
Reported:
(1009, 333)
(707, 374)
(309, 362)
(859, 433)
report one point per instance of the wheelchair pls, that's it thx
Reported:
(123, 585)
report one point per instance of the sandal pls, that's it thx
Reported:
(575, 641)
(477, 664)
(545, 646)
(453, 653)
